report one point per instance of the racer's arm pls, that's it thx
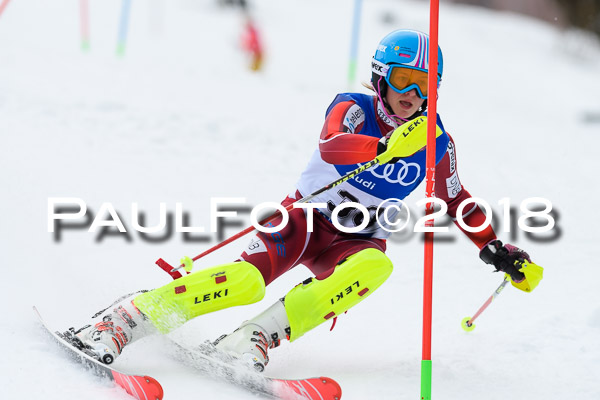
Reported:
(516, 263)
(449, 188)
(339, 142)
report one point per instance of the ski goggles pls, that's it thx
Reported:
(403, 79)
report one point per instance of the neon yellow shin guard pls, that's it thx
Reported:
(309, 305)
(201, 292)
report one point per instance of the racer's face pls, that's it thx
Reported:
(404, 104)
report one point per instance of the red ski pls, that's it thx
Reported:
(310, 389)
(215, 364)
(139, 387)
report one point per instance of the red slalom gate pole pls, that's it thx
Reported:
(429, 191)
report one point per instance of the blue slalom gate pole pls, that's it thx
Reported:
(354, 42)
(123, 25)
(84, 17)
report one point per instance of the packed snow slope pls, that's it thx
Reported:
(181, 118)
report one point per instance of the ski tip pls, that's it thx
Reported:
(333, 389)
(38, 314)
(139, 387)
(158, 390)
(321, 388)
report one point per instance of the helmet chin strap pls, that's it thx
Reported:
(387, 109)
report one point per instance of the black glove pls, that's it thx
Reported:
(382, 146)
(506, 258)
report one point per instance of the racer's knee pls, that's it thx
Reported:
(201, 292)
(316, 301)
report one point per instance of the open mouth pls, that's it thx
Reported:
(407, 105)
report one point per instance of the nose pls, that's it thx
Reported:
(412, 93)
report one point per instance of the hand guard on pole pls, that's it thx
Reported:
(404, 141)
(516, 263)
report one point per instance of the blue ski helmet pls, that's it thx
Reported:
(404, 48)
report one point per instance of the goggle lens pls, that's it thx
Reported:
(405, 79)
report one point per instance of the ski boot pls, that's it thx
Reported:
(251, 341)
(119, 325)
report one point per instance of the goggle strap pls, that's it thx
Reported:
(379, 68)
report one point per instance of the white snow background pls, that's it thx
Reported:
(180, 118)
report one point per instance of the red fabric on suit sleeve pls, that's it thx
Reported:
(340, 143)
(449, 188)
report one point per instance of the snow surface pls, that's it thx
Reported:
(180, 118)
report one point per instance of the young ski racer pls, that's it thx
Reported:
(347, 267)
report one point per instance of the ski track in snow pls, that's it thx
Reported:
(180, 118)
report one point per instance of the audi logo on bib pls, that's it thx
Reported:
(388, 180)
(401, 172)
